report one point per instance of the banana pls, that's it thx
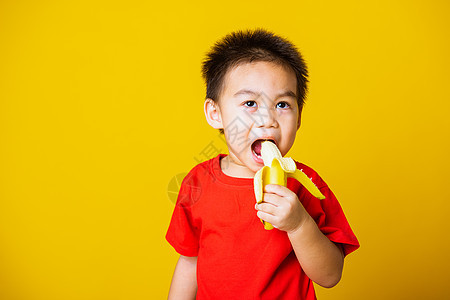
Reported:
(275, 171)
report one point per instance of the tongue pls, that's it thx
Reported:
(257, 147)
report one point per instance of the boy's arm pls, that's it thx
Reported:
(184, 281)
(320, 258)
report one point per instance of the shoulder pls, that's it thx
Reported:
(204, 168)
(201, 172)
(195, 182)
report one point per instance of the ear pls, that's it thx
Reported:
(212, 114)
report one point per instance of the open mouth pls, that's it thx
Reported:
(256, 147)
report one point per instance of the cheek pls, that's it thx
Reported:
(236, 122)
(290, 123)
(236, 133)
(289, 133)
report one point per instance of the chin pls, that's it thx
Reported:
(254, 166)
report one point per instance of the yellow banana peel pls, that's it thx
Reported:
(275, 171)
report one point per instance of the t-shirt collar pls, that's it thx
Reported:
(222, 177)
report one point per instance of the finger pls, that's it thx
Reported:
(279, 190)
(266, 217)
(271, 199)
(266, 207)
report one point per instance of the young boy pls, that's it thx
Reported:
(256, 85)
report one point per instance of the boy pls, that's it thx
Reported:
(256, 86)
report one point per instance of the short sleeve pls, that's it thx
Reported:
(333, 223)
(328, 215)
(183, 233)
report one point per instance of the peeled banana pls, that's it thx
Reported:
(275, 171)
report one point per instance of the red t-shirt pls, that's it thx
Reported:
(215, 219)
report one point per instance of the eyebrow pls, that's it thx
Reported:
(250, 92)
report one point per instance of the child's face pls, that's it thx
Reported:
(258, 103)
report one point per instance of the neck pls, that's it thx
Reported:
(233, 169)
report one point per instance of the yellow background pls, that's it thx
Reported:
(101, 106)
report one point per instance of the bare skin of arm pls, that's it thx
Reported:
(184, 280)
(321, 259)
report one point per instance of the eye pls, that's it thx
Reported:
(282, 105)
(250, 103)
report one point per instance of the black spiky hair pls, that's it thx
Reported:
(247, 46)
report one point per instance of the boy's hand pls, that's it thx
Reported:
(281, 208)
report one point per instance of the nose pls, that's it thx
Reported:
(267, 117)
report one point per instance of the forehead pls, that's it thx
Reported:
(260, 77)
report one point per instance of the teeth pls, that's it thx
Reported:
(261, 141)
(256, 154)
